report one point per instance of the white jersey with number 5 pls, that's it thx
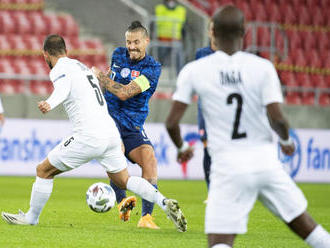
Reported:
(234, 91)
(76, 86)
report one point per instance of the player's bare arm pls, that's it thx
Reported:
(173, 129)
(2, 119)
(281, 126)
(123, 92)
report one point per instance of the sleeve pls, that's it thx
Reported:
(198, 54)
(62, 88)
(1, 108)
(271, 87)
(152, 74)
(184, 88)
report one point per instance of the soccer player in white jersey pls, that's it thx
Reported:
(95, 136)
(2, 117)
(238, 91)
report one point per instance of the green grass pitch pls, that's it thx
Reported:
(67, 221)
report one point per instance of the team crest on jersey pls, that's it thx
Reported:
(125, 72)
(135, 74)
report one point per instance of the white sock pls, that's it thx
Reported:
(221, 246)
(145, 190)
(318, 238)
(41, 191)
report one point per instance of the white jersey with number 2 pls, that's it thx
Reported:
(234, 91)
(76, 86)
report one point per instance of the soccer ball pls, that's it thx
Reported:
(100, 197)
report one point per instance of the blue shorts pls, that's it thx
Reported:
(132, 138)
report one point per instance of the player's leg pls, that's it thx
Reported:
(41, 191)
(286, 200)
(145, 157)
(231, 198)
(115, 164)
(120, 193)
(145, 190)
(221, 240)
(207, 167)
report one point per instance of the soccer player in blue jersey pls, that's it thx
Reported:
(129, 84)
(200, 53)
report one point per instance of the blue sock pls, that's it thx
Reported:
(148, 206)
(120, 193)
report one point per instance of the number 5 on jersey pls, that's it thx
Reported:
(96, 89)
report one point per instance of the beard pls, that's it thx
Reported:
(136, 56)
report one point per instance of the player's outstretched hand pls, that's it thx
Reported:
(185, 155)
(44, 107)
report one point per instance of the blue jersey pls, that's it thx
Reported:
(200, 53)
(133, 112)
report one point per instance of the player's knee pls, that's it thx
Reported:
(41, 172)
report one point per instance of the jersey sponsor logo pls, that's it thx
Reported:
(135, 74)
(59, 77)
(230, 78)
(125, 72)
(292, 163)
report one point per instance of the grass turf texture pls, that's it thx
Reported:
(66, 221)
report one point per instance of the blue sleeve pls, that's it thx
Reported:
(153, 74)
(201, 123)
(198, 54)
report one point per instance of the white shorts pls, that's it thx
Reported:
(77, 150)
(231, 198)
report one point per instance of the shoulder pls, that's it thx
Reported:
(202, 52)
(255, 60)
(60, 69)
(151, 62)
(119, 52)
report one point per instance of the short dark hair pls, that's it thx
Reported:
(137, 26)
(54, 44)
(228, 23)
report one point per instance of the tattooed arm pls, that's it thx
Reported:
(123, 92)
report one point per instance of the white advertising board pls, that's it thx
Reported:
(24, 143)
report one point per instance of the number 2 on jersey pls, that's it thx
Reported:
(239, 100)
(97, 90)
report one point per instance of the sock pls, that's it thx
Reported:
(120, 193)
(147, 206)
(221, 246)
(318, 238)
(41, 191)
(145, 190)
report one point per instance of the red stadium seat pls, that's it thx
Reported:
(293, 98)
(288, 78)
(263, 37)
(294, 40)
(303, 79)
(290, 16)
(260, 12)
(53, 24)
(318, 16)
(324, 99)
(308, 98)
(70, 27)
(7, 23)
(244, 6)
(39, 23)
(298, 57)
(314, 59)
(318, 81)
(322, 41)
(24, 25)
(309, 40)
(274, 13)
(304, 17)
(4, 43)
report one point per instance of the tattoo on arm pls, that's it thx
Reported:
(123, 92)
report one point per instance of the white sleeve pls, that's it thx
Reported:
(184, 86)
(1, 108)
(271, 87)
(62, 88)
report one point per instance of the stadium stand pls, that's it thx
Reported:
(305, 73)
(23, 27)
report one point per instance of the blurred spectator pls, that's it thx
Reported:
(2, 118)
(170, 23)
